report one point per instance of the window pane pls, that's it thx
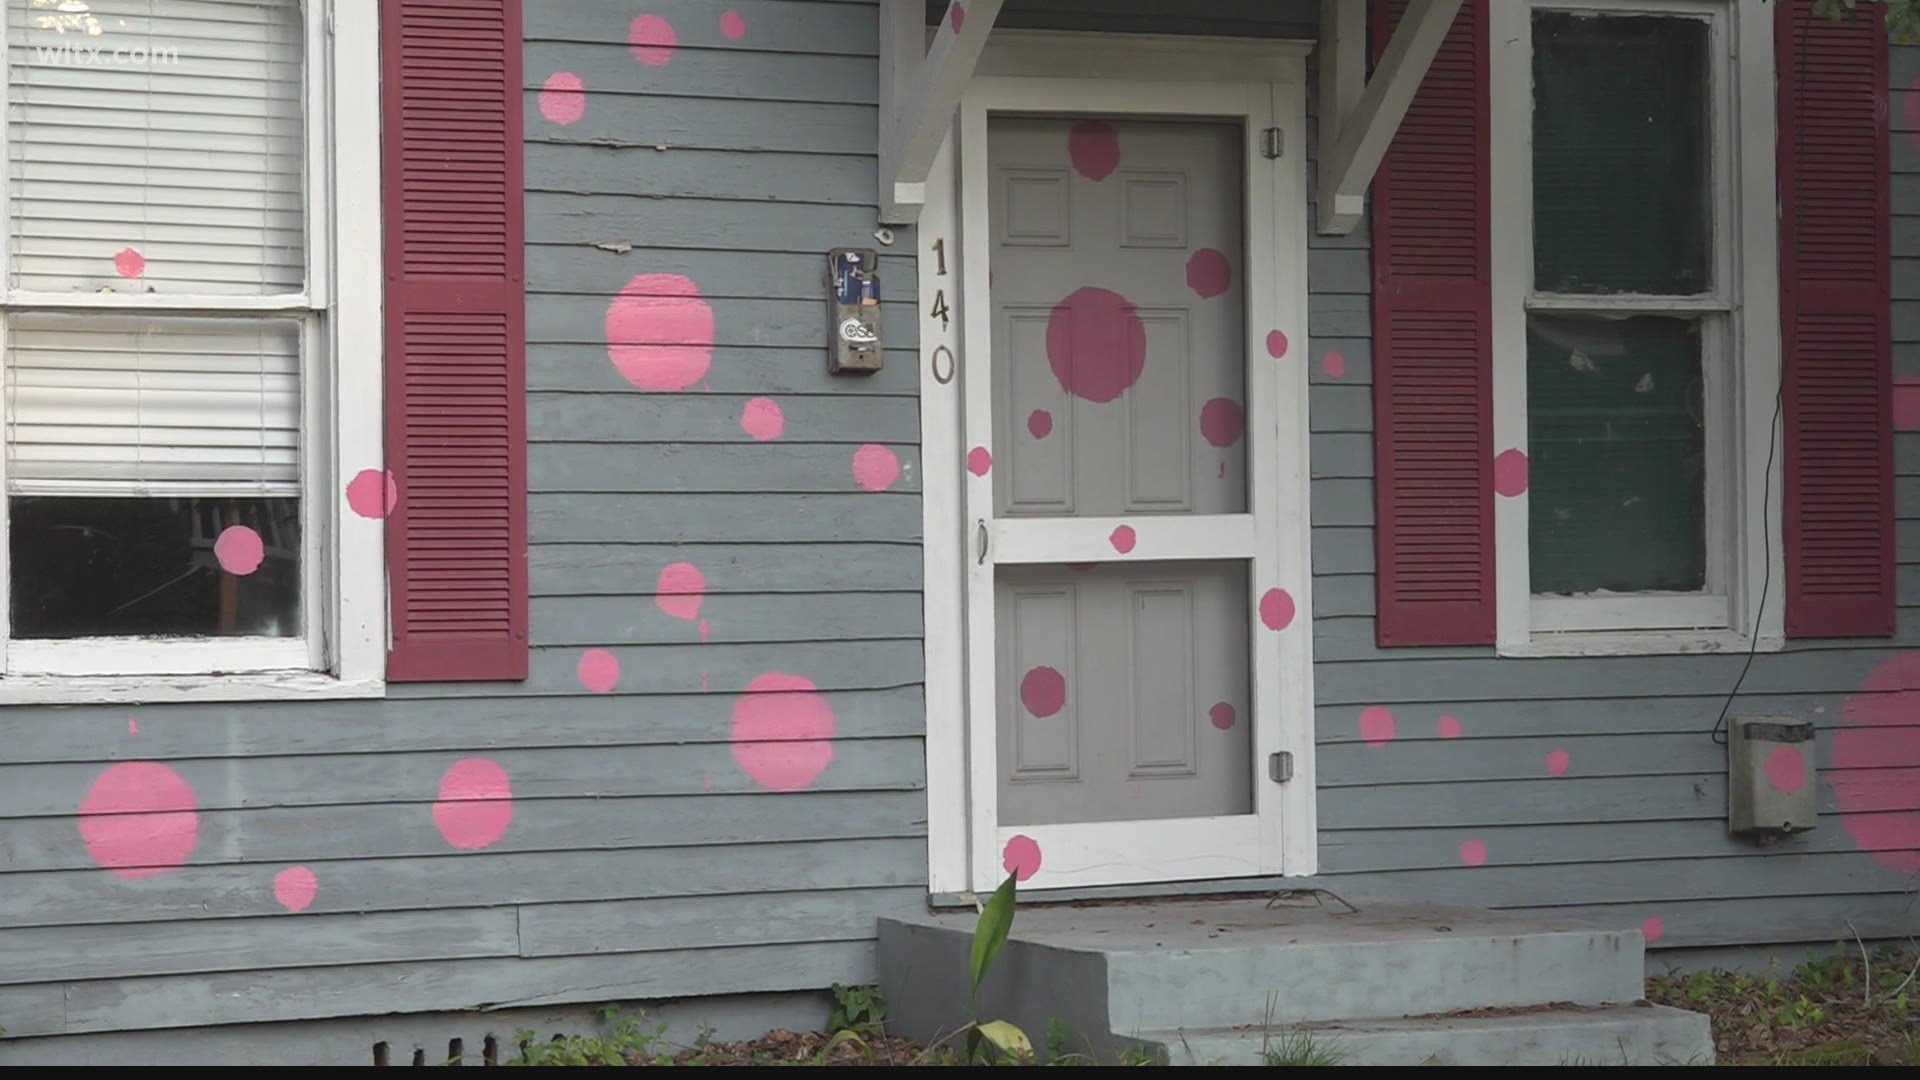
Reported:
(1620, 154)
(116, 567)
(1617, 452)
(156, 145)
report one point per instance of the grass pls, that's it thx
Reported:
(1853, 1007)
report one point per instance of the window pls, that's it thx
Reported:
(172, 343)
(1636, 334)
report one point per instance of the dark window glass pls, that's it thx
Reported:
(1620, 154)
(110, 567)
(1617, 451)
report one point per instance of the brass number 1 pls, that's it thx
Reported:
(940, 257)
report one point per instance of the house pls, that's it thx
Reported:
(1382, 449)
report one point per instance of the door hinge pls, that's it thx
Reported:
(1280, 766)
(1274, 144)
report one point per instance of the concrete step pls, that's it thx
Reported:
(1603, 1035)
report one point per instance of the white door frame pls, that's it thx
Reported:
(1133, 76)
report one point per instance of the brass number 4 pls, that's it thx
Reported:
(940, 310)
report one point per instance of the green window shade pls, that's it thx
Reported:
(1620, 124)
(1617, 454)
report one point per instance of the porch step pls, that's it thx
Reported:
(1600, 1035)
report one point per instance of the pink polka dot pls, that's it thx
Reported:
(956, 15)
(1208, 273)
(133, 726)
(1276, 344)
(651, 40)
(1334, 364)
(1376, 725)
(979, 460)
(1039, 423)
(295, 887)
(660, 332)
(372, 493)
(875, 468)
(1276, 609)
(129, 263)
(598, 670)
(1786, 769)
(782, 732)
(679, 590)
(1094, 148)
(1222, 715)
(1653, 929)
(763, 419)
(1880, 805)
(733, 26)
(1473, 852)
(1906, 403)
(475, 804)
(563, 98)
(139, 819)
(1557, 761)
(239, 550)
(1222, 422)
(1510, 473)
(1123, 539)
(1096, 344)
(1043, 691)
(1448, 727)
(1021, 857)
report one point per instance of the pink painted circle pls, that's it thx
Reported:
(679, 590)
(1094, 148)
(372, 493)
(239, 550)
(129, 263)
(475, 804)
(782, 732)
(1123, 539)
(1208, 273)
(1557, 761)
(979, 461)
(1653, 929)
(1043, 691)
(1222, 715)
(651, 40)
(1021, 857)
(138, 819)
(1786, 769)
(1222, 422)
(1448, 727)
(1510, 473)
(763, 419)
(957, 15)
(1276, 609)
(875, 467)
(295, 888)
(1473, 852)
(1096, 344)
(1876, 804)
(1906, 403)
(563, 98)
(1276, 344)
(598, 670)
(660, 332)
(1039, 423)
(1334, 364)
(733, 26)
(1377, 726)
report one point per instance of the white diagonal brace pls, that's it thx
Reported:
(917, 101)
(1347, 169)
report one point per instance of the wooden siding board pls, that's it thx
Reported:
(847, 29)
(843, 616)
(617, 421)
(862, 517)
(629, 569)
(762, 371)
(613, 926)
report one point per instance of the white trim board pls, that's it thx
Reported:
(1130, 76)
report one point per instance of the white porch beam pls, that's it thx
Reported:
(1350, 156)
(920, 86)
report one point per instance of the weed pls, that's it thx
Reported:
(1298, 1047)
(859, 1009)
(625, 1042)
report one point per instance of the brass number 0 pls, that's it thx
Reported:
(951, 365)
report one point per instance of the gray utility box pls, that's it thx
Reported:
(1771, 781)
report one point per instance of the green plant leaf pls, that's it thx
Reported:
(995, 920)
(1007, 1039)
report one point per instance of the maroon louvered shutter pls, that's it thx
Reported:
(1432, 353)
(455, 339)
(1836, 329)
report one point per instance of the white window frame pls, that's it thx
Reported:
(342, 652)
(1740, 607)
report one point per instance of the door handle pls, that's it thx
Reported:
(981, 541)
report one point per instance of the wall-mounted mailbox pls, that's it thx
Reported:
(853, 311)
(1771, 788)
